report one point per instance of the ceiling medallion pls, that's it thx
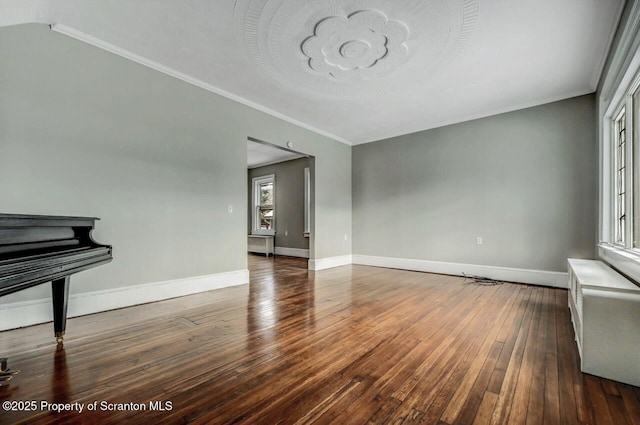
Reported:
(352, 48)
(363, 45)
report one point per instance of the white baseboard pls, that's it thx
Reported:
(292, 252)
(27, 313)
(329, 262)
(534, 277)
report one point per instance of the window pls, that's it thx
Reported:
(620, 178)
(307, 202)
(620, 222)
(618, 103)
(623, 169)
(635, 140)
(264, 189)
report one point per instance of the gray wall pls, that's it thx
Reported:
(289, 177)
(525, 181)
(86, 132)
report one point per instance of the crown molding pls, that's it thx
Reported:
(89, 39)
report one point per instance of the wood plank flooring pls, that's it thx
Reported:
(350, 345)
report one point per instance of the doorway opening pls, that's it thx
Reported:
(280, 201)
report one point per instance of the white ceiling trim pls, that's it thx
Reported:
(488, 113)
(550, 53)
(86, 38)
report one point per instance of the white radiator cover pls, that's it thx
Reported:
(605, 310)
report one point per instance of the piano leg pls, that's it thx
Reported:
(60, 295)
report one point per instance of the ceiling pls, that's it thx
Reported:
(354, 70)
(260, 154)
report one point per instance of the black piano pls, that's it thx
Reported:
(35, 249)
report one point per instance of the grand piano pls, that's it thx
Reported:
(36, 249)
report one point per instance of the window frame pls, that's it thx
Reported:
(256, 182)
(623, 256)
(307, 202)
(617, 239)
(617, 81)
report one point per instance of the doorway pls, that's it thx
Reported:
(280, 201)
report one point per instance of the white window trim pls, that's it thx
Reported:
(613, 146)
(307, 202)
(255, 218)
(617, 91)
(625, 260)
(624, 257)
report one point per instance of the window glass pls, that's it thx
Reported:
(266, 206)
(635, 102)
(620, 193)
(263, 215)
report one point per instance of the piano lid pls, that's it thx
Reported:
(36, 249)
(29, 220)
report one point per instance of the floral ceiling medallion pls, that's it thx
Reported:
(363, 45)
(352, 48)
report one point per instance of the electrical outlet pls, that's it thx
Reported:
(345, 236)
(479, 240)
(286, 233)
(230, 209)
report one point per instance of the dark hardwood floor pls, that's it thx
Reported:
(350, 345)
